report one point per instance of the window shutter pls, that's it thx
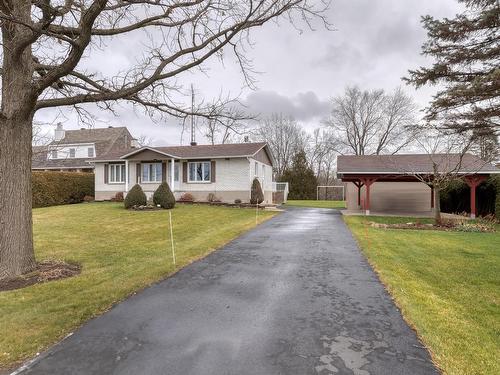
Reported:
(184, 172)
(163, 172)
(106, 170)
(138, 172)
(212, 171)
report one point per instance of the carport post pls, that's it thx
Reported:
(432, 197)
(473, 182)
(359, 185)
(367, 182)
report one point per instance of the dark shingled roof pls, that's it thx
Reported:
(213, 151)
(107, 140)
(197, 152)
(412, 163)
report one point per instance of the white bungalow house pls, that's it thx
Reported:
(226, 170)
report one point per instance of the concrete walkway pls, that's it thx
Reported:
(293, 296)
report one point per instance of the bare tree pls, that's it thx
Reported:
(322, 152)
(372, 122)
(145, 140)
(41, 136)
(225, 130)
(285, 138)
(446, 153)
(45, 44)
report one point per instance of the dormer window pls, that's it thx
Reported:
(72, 152)
(90, 152)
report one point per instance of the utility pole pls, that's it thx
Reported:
(193, 138)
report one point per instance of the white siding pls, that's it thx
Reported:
(230, 175)
(81, 151)
(99, 180)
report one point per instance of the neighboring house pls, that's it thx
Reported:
(389, 183)
(226, 170)
(74, 150)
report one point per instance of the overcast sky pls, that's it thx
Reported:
(373, 45)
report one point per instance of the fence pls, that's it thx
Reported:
(282, 188)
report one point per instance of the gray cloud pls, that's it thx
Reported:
(304, 106)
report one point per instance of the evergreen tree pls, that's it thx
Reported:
(301, 179)
(135, 197)
(163, 196)
(466, 50)
(256, 194)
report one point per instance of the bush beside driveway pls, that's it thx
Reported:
(120, 251)
(447, 286)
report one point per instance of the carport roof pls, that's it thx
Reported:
(413, 164)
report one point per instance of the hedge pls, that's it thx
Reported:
(456, 197)
(56, 188)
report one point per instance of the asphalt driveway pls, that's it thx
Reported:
(293, 296)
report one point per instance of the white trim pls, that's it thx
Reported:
(126, 176)
(268, 154)
(414, 173)
(123, 175)
(143, 149)
(172, 174)
(202, 181)
(152, 181)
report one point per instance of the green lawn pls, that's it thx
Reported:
(120, 251)
(315, 203)
(447, 285)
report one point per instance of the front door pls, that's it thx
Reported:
(177, 184)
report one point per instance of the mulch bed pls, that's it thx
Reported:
(447, 226)
(145, 208)
(47, 270)
(224, 204)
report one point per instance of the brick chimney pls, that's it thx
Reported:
(59, 133)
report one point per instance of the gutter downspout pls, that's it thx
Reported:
(126, 177)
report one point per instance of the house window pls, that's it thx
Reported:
(117, 173)
(53, 154)
(151, 172)
(90, 152)
(256, 168)
(199, 171)
(72, 152)
(263, 171)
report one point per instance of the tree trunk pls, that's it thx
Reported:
(16, 239)
(16, 118)
(437, 205)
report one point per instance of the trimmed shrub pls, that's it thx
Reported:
(56, 188)
(135, 197)
(256, 194)
(186, 197)
(237, 201)
(163, 196)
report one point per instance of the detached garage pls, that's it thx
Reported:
(403, 183)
